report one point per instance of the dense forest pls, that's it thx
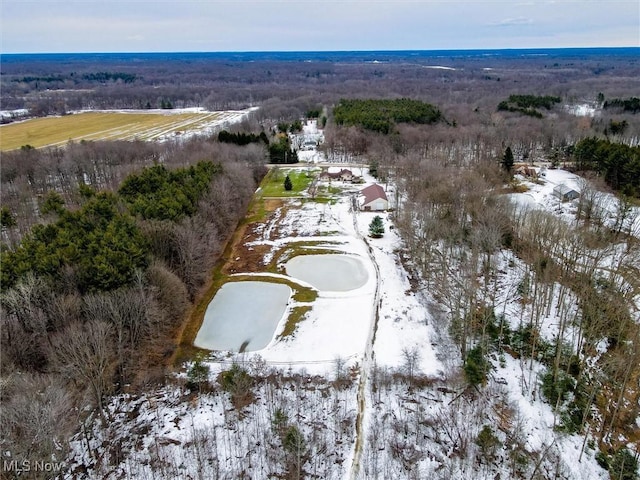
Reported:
(107, 245)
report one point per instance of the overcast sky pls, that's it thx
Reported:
(33, 26)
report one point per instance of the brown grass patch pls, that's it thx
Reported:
(244, 257)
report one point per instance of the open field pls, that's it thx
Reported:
(56, 131)
(273, 184)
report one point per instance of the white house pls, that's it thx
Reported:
(373, 198)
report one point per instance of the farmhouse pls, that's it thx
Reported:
(565, 193)
(373, 198)
(344, 175)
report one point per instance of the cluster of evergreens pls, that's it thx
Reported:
(381, 115)
(313, 112)
(293, 127)
(528, 104)
(163, 194)
(104, 77)
(281, 152)
(98, 247)
(42, 79)
(628, 104)
(616, 127)
(241, 138)
(618, 164)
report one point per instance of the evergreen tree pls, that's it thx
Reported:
(376, 227)
(53, 203)
(7, 220)
(507, 160)
(624, 466)
(476, 366)
(373, 169)
(288, 186)
(100, 244)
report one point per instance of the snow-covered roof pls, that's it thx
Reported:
(563, 189)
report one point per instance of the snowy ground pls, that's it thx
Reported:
(13, 114)
(540, 196)
(310, 133)
(606, 205)
(380, 423)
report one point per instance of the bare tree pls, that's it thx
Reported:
(411, 361)
(34, 419)
(85, 355)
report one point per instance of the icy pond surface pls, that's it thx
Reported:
(243, 313)
(332, 272)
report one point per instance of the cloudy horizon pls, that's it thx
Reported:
(54, 26)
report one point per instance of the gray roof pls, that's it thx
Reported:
(563, 189)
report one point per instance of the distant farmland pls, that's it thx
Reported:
(56, 131)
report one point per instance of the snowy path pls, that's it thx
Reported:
(367, 360)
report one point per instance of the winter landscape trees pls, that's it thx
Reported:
(92, 296)
(107, 245)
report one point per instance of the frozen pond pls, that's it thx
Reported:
(337, 273)
(243, 313)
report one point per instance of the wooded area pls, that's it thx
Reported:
(106, 245)
(99, 273)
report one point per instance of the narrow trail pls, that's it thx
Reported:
(367, 361)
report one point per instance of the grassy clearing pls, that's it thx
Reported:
(301, 248)
(328, 190)
(295, 317)
(300, 293)
(55, 131)
(273, 184)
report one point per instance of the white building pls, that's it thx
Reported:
(373, 198)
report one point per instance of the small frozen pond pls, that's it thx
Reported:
(332, 272)
(243, 312)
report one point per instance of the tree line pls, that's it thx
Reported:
(625, 104)
(241, 138)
